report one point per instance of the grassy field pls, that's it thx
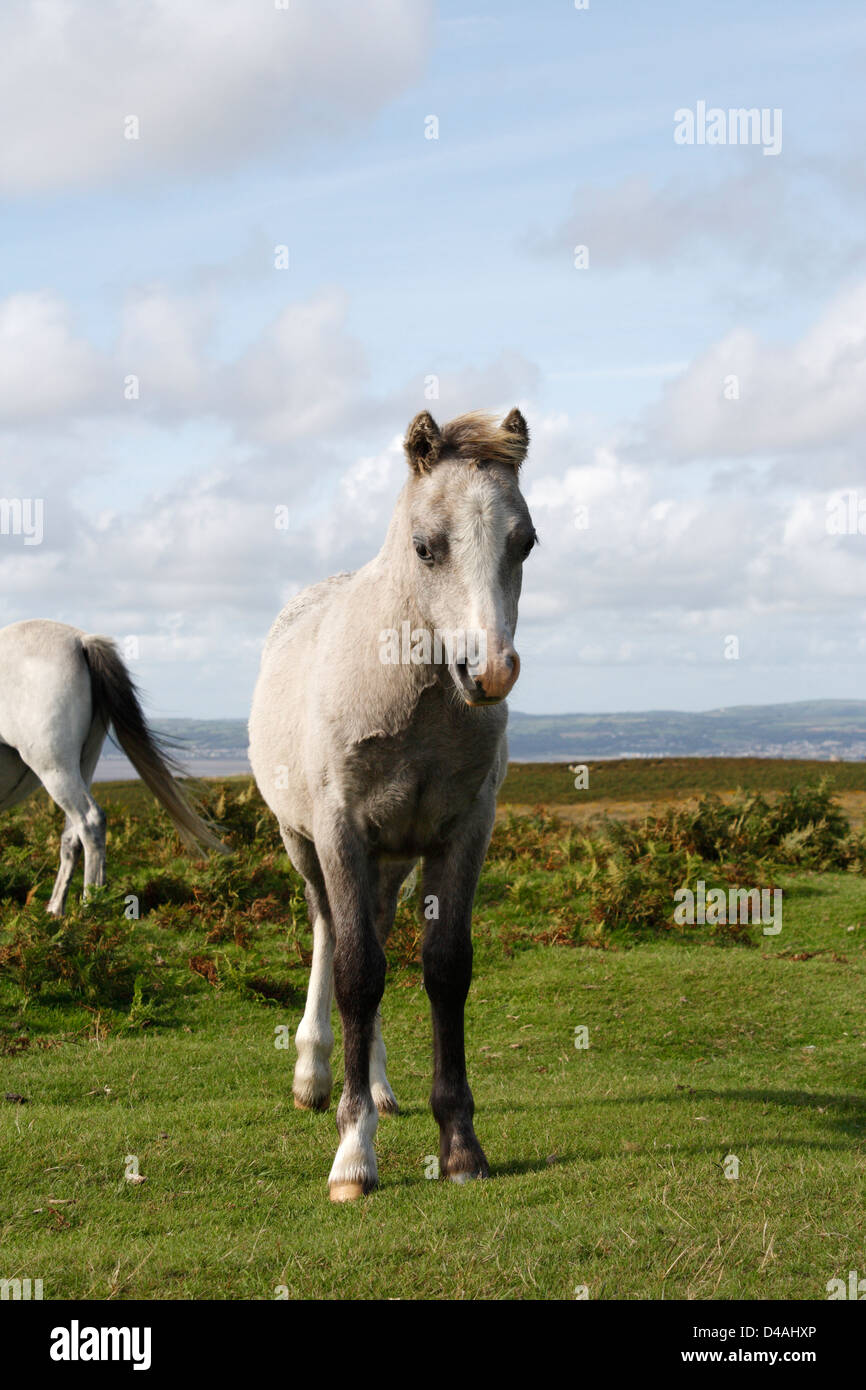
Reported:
(627, 779)
(148, 1046)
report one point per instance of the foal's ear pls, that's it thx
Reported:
(515, 424)
(423, 442)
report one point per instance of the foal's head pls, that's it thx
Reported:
(469, 532)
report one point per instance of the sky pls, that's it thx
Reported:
(245, 242)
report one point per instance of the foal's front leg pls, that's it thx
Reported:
(450, 877)
(359, 981)
(315, 1038)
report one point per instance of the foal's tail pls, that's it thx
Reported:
(115, 700)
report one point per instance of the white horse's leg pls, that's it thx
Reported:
(70, 841)
(70, 851)
(85, 818)
(315, 1037)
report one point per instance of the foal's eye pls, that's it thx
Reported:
(528, 546)
(423, 553)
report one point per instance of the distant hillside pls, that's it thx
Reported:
(807, 729)
(824, 729)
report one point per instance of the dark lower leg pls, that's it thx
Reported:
(447, 974)
(359, 981)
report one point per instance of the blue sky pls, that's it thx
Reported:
(455, 257)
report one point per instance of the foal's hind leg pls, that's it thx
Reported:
(383, 1097)
(390, 880)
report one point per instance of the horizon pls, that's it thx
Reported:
(779, 730)
(589, 713)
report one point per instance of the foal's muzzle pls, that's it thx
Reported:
(491, 684)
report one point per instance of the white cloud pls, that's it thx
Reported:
(634, 221)
(163, 341)
(302, 374)
(667, 566)
(45, 369)
(212, 82)
(764, 215)
(796, 397)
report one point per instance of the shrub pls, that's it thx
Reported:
(632, 870)
(90, 955)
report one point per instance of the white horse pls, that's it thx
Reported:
(372, 751)
(60, 690)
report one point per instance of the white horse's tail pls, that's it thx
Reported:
(115, 700)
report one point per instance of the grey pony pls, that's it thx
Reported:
(370, 761)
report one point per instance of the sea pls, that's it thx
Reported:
(121, 770)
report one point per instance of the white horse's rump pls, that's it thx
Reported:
(60, 690)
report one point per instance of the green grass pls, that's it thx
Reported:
(606, 1162)
(660, 778)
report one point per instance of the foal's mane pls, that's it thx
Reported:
(481, 437)
(478, 438)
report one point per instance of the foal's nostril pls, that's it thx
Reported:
(488, 681)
